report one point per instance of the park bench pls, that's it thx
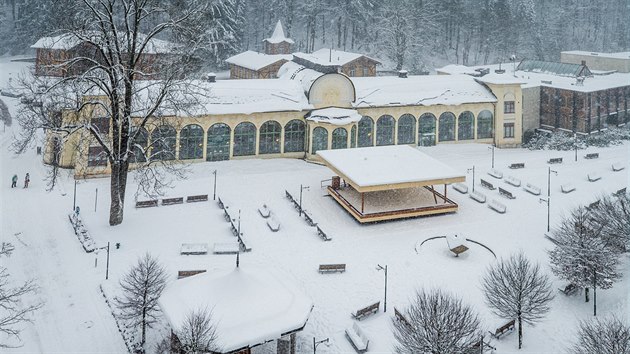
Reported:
(569, 290)
(506, 193)
(226, 248)
(555, 160)
(147, 203)
(517, 165)
(193, 249)
(496, 173)
(243, 247)
(530, 188)
(366, 311)
(220, 203)
(513, 181)
(460, 187)
(332, 268)
(188, 273)
(480, 345)
(233, 228)
(476, 196)
(593, 155)
(497, 206)
(487, 184)
(171, 201)
(593, 177)
(309, 219)
(197, 198)
(357, 338)
(323, 235)
(616, 167)
(273, 224)
(506, 328)
(290, 197)
(567, 188)
(264, 211)
(400, 317)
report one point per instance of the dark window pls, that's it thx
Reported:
(366, 132)
(465, 126)
(139, 150)
(508, 107)
(385, 126)
(245, 139)
(353, 136)
(320, 139)
(294, 136)
(508, 130)
(406, 129)
(163, 140)
(96, 156)
(191, 142)
(426, 130)
(447, 126)
(270, 133)
(101, 124)
(340, 138)
(485, 124)
(218, 144)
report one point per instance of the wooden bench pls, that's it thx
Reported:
(460, 187)
(273, 224)
(497, 206)
(513, 181)
(226, 248)
(567, 188)
(323, 235)
(188, 273)
(530, 188)
(309, 219)
(367, 311)
(616, 167)
(555, 160)
(487, 184)
(476, 196)
(495, 173)
(243, 247)
(147, 203)
(172, 201)
(506, 328)
(197, 198)
(517, 165)
(593, 155)
(481, 345)
(332, 268)
(569, 290)
(290, 197)
(401, 318)
(193, 248)
(593, 177)
(357, 338)
(506, 193)
(220, 203)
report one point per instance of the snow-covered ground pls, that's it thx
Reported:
(76, 319)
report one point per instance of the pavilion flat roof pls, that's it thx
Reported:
(379, 168)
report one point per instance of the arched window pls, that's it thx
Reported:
(385, 130)
(340, 138)
(320, 139)
(366, 132)
(465, 126)
(244, 139)
(353, 136)
(270, 133)
(191, 142)
(294, 136)
(218, 144)
(485, 124)
(426, 130)
(447, 126)
(139, 149)
(406, 129)
(163, 139)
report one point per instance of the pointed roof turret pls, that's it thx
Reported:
(278, 35)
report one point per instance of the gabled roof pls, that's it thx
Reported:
(63, 41)
(560, 69)
(278, 35)
(331, 57)
(68, 41)
(334, 116)
(256, 61)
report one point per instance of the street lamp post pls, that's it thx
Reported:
(492, 148)
(548, 200)
(549, 181)
(107, 265)
(575, 143)
(74, 196)
(301, 189)
(473, 175)
(380, 267)
(318, 342)
(214, 194)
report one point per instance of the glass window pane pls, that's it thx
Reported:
(245, 139)
(465, 126)
(426, 130)
(353, 136)
(270, 133)
(191, 142)
(218, 144)
(485, 125)
(406, 129)
(320, 139)
(163, 139)
(340, 138)
(366, 132)
(139, 150)
(294, 136)
(385, 130)
(447, 127)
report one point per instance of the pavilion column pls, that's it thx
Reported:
(286, 344)
(362, 202)
(445, 193)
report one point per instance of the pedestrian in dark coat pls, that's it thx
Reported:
(14, 181)
(27, 179)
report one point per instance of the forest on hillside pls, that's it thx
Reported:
(416, 35)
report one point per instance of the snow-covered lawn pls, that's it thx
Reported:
(76, 319)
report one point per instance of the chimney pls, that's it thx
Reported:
(402, 74)
(211, 77)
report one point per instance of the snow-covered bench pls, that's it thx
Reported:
(194, 248)
(616, 167)
(594, 177)
(357, 338)
(322, 234)
(332, 268)
(517, 165)
(264, 211)
(513, 181)
(530, 188)
(506, 328)
(226, 248)
(273, 224)
(569, 290)
(172, 201)
(506, 193)
(147, 203)
(309, 219)
(593, 155)
(496, 173)
(555, 160)
(481, 198)
(366, 311)
(497, 206)
(487, 184)
(188, 273)
(460, 187)
(567, 188)
(197, 198)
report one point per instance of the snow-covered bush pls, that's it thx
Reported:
(562, 141)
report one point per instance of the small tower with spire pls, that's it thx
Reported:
(278, 43)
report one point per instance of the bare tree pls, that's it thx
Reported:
(608, 336)
(515, 288)
(142, 288)
(438, 323)
(14, 310)
(612, 215)
(198, 333)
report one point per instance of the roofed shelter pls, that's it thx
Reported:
(389, 182)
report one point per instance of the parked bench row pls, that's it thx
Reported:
(235, 231)
(171, 201)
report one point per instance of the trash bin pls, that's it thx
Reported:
(39, 150)
(336, 182)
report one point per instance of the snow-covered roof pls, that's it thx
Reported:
(68, 41)
(618, 55)
(388, 166)
(423, 90)
(256, 61)
(334, 116)
(278, 35)
(296, 72)
(330, 57)
(63, 41)
(250, 305)
(452, 69)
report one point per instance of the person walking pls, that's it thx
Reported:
(27, 179)
(14, 181)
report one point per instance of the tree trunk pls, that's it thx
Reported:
(118, 185)
(586, 294)
(520, 332)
